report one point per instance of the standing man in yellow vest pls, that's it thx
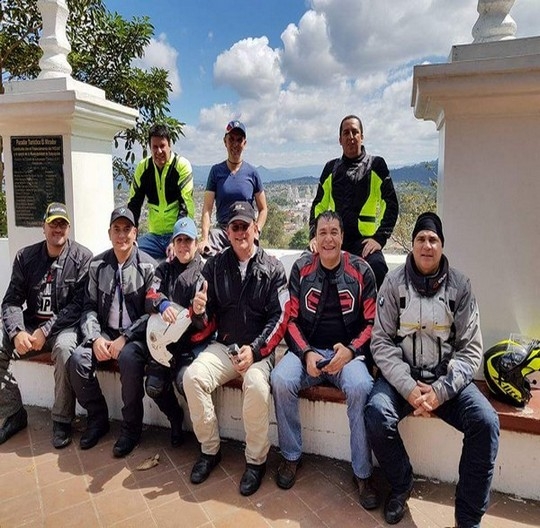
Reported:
(358, 187)
(165, 179)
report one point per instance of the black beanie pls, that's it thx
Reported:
(429, 222)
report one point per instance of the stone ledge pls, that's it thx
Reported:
(521, 420)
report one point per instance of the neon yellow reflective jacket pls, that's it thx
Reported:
(169, 193)
(363, 194)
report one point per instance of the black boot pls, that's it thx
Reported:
(204, 466)
(97, 424)
(124, 446)
(61, 435)
(395, 506)
(159, 387)
(252, 478)
(13, 424)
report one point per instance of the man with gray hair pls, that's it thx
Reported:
(244, 300)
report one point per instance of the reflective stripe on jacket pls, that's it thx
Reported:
(363, 193)
(425, 320)
(169, 193)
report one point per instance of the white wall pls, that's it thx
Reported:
(325, 431)
(486, 106)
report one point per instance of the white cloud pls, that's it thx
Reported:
(368, 36)
(160, 54)
(306, 51)
(344, 56)
(251, 67)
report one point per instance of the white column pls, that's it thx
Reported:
(486, 105)
(57, 105)
(494, 23)
(53, 41)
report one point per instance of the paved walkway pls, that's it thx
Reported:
(40, 486)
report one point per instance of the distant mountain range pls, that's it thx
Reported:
(421, 172)
(309, 174)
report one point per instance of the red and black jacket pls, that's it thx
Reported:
(357, 292)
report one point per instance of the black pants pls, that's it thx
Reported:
(132, 362)
(375, 260)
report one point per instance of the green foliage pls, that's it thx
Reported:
(414, 199)
(273, 235)
(103, 48)
(300, 239)
(19, 35)
(280, 200)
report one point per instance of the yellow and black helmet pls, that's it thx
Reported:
(506, 367)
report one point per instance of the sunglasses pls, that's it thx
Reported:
(240, 227)
(55, 224)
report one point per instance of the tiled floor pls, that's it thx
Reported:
(40, 486)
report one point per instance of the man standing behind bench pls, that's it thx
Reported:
(48, 277)
(165, 179)
(332, 308)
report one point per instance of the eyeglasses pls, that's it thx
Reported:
(240, 227)
(55, 224)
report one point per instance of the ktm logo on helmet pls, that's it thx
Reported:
(506, 367)
(511, 391)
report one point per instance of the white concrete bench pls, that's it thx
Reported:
(325, 425)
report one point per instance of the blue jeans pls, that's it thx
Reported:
(155, 245)
(289, 377)
(470, 413)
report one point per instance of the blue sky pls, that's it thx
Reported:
(291, 69)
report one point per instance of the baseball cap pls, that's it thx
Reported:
(122, 212)
(242, 211)
(232, 125)
(56, 210)
(185, 226)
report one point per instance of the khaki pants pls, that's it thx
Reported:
(213, 368)
(61, 347)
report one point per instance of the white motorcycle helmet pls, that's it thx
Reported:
(159, 334)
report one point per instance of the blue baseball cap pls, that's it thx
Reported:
(235, 125)
(185, 226)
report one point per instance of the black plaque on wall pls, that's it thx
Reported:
(38, 176)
